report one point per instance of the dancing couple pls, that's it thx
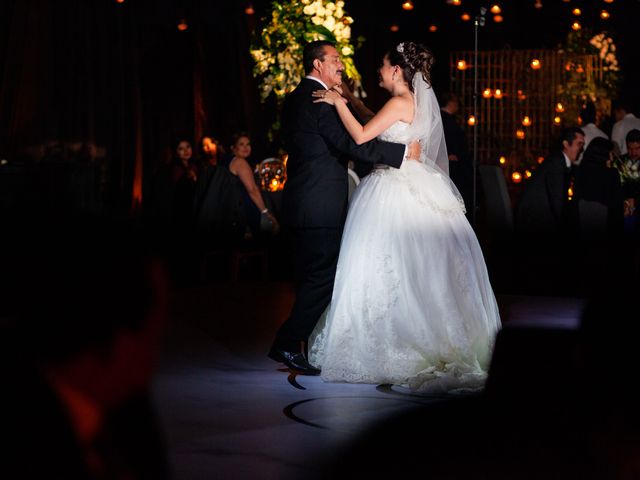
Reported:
(394, 288)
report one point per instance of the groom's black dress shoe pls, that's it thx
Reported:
(295, 361)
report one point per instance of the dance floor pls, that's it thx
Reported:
(227, 411)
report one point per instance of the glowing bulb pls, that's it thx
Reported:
(486, 93)
(496, 9)
(182, 25)
(394, 28)
(576, 26)
(520, 134)
(456, 2)
(408, 5)
(502, 160)
(559, 107)
(540, 160)
(465, 17)
(497, 93)
(498, 18)
(526, 121)
(433, 28)
(538, 4)
(604, 15)
(576, 12)
(471, 121)
(535, 64)
(516, 177)
(461, 65)
(527, 173)
(557, 120)
(249, 10)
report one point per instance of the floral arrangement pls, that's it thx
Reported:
(606, 50)
(277, 51)
(629, 170)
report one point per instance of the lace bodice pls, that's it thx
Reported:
(398, 132)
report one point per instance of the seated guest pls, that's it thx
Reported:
(184, 174)
(256, 210)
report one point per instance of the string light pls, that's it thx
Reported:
(182, 25)
(577, 12)
(433, 28)
(486, 93)
(497, 93)
(576, 26)
(461, 65)
(496, 9)
(498, 18)
(408, 5)
(604, 15)
(526, 121)
(557, 120)
(535, 64)
(465, 17)
(502, 160)
(471, 121)
(249, 10)
(394, 28)
(559, 107)
(520, 134)
(516, 177)
(538, 4)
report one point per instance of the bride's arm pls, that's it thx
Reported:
(358, 105)
(392, 111)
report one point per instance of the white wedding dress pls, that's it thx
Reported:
(412, 304)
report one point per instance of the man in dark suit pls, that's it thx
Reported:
(544, 205)
(315, 195)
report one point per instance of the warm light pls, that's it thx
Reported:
(455, 2)
(502, 160)
(433, 28)
(535, 64)
(516, 177)
(471, 121)
(559, 107)
(496, 9)
(576, 26)
(249, 10)
(568, 66)
(182, 25)
(119, 1)
(520, 134)
(540, 159)
(408, 5)
(521, 95)
(527, 173)
(498, 18)
(576, 11)
(604, 15)
(538, 4)
(579, 120)
(608, 1)
(497, 93)
(579, 69)
(526, 121)
(465, 17)
(557, 120)
(570, 193)
(486, 93)
(461, 65)
(394, 28)
(274, 182)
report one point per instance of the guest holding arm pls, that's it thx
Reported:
(254, 203)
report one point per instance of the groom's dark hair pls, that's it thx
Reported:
(312, 51)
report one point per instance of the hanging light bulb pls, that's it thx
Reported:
(516, 177)
(535, 64)
(249, 10)
(557, 120)
(486, 93)
(498, 18)
(461, 65)
(465, 17)
(577, 12)
(538, 4)
(495, 9)
(576, 26)
(526, 121)
(471, 121)
(497, 93)
(433, 28)
(182, 25)
(520, 134)
(604, 15)
(408, 5)
(559, 107)
(394, 28)
(502, 160)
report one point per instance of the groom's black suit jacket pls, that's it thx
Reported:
(315, 194)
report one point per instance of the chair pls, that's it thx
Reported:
(354, 180)
(498, 211)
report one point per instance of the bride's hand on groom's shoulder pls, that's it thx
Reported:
(328, 96)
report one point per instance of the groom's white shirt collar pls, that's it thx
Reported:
(311, 77)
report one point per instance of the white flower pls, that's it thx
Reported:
(346, 51)
(309, 9)
(329, 23)
(317, 20)
(339, 13)
(330, 6)
(346, 32)
(340, 4)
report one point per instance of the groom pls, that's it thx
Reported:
(315, 195)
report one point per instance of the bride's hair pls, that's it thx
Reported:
(412, 58)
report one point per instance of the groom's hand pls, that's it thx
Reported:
(413, 151)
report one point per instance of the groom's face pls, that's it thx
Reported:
(330, 68)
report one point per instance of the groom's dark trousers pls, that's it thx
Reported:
(314, 201)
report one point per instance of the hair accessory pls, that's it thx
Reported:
(400, 47)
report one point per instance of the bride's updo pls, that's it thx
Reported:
(412, 58)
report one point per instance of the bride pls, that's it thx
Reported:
(412, 304)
